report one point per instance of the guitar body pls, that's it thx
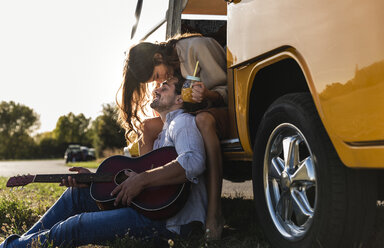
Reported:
(155, 202)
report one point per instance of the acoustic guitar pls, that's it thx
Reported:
(155, 202)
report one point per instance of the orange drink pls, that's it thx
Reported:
(186, 91)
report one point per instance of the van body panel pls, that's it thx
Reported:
(338, 45)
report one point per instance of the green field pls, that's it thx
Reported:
(88, 164)
(19, 209)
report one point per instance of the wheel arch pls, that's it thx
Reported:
(267, 77)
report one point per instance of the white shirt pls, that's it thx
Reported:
(180, 131)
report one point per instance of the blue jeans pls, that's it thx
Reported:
(76, 220)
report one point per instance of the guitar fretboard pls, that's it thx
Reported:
(80, 178)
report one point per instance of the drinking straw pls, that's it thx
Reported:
(197, 64)
(194, 73)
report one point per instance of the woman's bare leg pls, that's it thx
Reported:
(207, 126)
(151, 129)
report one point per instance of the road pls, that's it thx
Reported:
(13, 168)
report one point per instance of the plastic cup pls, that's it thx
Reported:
(186, 91)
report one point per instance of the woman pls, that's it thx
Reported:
(148, 62)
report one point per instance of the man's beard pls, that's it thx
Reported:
(156, 105)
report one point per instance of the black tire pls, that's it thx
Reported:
(322, 204)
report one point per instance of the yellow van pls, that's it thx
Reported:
(306, 100)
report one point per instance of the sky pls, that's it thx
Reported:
(61, 56)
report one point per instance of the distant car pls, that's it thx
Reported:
(90, 154)
(75, 153)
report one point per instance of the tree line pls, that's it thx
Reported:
(18, 123)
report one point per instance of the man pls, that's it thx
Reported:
(75, 220)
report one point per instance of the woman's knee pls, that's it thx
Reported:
(205, 120)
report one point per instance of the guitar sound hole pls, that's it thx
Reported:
(120, 177)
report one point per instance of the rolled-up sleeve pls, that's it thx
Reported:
(189, 146)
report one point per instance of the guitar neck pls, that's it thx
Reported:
(80, 178)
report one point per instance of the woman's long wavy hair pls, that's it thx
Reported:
(138, 70)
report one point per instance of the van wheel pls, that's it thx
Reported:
(305, 196)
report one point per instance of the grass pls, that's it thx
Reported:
(88, 164)
(19, 209)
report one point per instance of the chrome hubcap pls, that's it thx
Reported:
(290, 181)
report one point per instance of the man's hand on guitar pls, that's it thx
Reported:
(71, 182)
(128, 189)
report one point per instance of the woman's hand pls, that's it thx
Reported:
(71, 182)
(199, 92)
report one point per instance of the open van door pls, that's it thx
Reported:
(168, 19)
(158, 25)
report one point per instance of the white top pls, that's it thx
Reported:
(212, 62)
(180, 131)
